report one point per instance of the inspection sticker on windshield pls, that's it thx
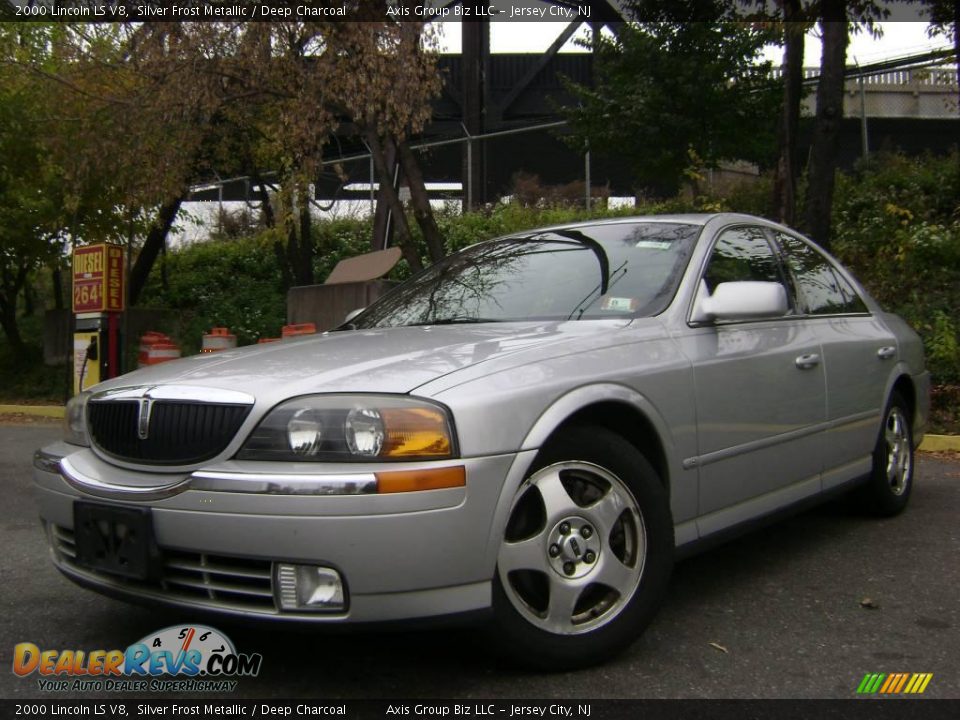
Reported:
(653, 244)
(618, 304)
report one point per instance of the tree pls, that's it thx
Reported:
(821, 170)
(41, 209)
(835, 16)
(793, 23)
(160, 106)
(387, 90)
(672, 89)
(27, 237)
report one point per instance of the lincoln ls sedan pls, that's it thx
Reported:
(526, 434)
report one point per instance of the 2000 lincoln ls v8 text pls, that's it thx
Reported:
(529, 431)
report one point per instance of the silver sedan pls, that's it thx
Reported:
(526, 434)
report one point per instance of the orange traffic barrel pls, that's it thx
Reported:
(263, 341)
(162, 352)
(219, 338)
(148, 340)
(298, 329)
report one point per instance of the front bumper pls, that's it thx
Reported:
(405, 556)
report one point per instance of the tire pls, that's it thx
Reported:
(586, 555)
(887, 491)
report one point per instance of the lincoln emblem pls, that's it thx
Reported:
(143, 418)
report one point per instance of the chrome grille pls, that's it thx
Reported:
(214, 580)
(179, 433)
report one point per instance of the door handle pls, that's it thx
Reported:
(805, 362)
(886, 352)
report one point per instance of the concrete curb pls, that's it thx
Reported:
(940, 443)
(931, 443)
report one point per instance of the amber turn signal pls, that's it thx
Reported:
(415, 432)
(397, 481)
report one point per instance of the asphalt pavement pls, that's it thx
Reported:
(801, 609)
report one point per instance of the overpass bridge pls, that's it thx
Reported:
(926, 90)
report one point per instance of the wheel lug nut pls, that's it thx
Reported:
(564, 528)
(554, 550)
(586, 531)
(569, 568)
(589, 556)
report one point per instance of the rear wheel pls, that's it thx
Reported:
(586, 554)
(891, 479)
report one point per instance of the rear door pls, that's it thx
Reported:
(859, 353)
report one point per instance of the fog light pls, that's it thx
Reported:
(308, 587)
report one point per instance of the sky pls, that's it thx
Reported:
(898, 39)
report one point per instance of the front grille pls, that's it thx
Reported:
(213, 580)
(179, 433)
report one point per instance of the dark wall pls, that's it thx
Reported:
(544, 153)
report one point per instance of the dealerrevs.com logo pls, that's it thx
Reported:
(199, 658)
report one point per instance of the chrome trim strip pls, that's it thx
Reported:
(726, 453)
(92, 486)
(284, 483)
(191, 393)
(212, 481)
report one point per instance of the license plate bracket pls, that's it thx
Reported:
(116, 540)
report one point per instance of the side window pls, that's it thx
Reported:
(742, 254)
(822, 289)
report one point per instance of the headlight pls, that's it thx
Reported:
(338, 428)
(75, 420)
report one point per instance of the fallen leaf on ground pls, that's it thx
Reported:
(869, 604)
(720, 647)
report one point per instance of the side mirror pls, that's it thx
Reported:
(740, 301)
(352, 314)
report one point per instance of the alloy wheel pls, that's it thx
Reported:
(574, 548)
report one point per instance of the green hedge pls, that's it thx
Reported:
(897, 226)
(228, 283)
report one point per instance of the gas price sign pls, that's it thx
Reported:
(98, 279)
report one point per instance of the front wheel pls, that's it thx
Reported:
(586, 554)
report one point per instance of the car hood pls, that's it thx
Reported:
(391, 360)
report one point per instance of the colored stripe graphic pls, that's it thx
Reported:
(871, 683)
(919, 683)
(894, 683)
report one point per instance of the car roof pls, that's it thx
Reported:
(683, 218)
(698, 219)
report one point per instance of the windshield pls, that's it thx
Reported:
(613, 270)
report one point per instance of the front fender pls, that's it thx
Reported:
(683, 485)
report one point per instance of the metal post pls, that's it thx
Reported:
(864, 139)
(469, 175)
(220, 206)
(373, 199)
(125, 331)
(586, 162)
(468, 206)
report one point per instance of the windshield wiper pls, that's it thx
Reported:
(579, 237)
(455, 320)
